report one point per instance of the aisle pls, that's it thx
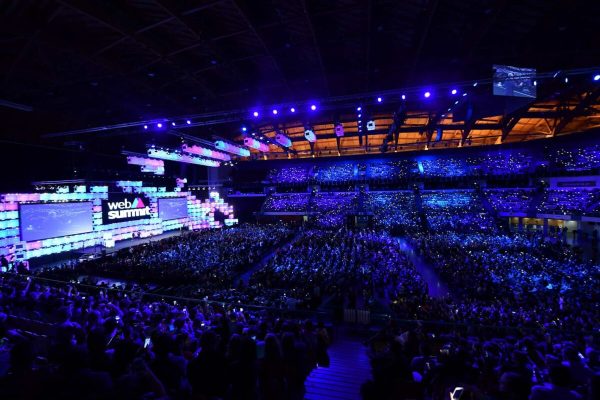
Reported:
(437, 288)
(245, 277)
(349, 369)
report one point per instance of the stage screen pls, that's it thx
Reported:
(50, 220)
(514, 81)
(172, 208)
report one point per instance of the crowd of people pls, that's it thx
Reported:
(573, 201)
(456, 210)
(195, 264)
(289, 175)
(331, 208)
(351, 268)
(114, 344)
(438, 362)
(199, 315)
(396, 211)
(339, 172)
(510, 199)
(287, 202)
(578, 159)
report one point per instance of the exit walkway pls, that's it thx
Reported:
(349, 369)
(436, 287)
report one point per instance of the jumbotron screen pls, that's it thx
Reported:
(51, 220)
(172, 208)
(514, 81)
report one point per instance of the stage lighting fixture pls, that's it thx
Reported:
(172, 123)
(188, 122)
(453, 91)
(597, 77)
(313, 107)
(255, 113)
(274, 112)
(175, 156)
(244, 129)
(371, 125)
(534, 83)
(358, 108)
(474, 84)
(403, 97)
(309, 134)
(230, 148)
(205, 152)
(339, 130)
(566, 79)
(379, 99)
(143, 161)
(427, 95)
(159, 125)
(283, 140)
(145, 126)
(255, 144)
(292, 110)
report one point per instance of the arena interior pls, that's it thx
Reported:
(300, 199)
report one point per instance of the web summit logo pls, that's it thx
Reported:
(127, 209)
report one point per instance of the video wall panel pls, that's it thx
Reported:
(40, 221)
(172, 208)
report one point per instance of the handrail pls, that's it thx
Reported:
(179, 299)
(388, 318)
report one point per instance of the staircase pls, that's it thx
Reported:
(245, 276)
(349, 369)
(420, 211)
(486, 204)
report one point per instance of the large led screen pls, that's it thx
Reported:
(172, 208)
(50, 220)
(514, 81)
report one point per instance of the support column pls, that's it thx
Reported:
(520, 224)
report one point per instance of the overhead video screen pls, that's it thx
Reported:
(50, 220)
(172, 208)
(514, 81)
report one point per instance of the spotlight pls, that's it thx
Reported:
(427, 95)
(313, 107)
(274, 112)
(379, 99)
(159, 125)
(244, 129)
(172, 123)
(359, 115)
(474, 84)
(188, 122)
(534, 83)
(464, 94)
(453, 91)
(566, 79)
(597, 77)
(292, 110)
(358, 108)
(403, 97)
(145, 126)
(255, 113)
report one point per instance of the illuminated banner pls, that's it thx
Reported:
(121, 207)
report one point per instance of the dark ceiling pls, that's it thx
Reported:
(86, 63)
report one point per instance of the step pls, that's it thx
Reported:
(349, 368)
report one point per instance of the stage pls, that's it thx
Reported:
(96, 251)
